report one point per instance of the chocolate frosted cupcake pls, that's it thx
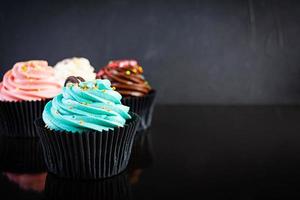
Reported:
(126, 76)
(24, 91)
(86, 132)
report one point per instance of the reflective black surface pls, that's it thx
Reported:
(207, 152)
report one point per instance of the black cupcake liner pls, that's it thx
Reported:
(115, 188)
(88, 155)
(17, 118)
(21, 155)
(143, 106)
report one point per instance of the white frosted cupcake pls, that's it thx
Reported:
(74, 67)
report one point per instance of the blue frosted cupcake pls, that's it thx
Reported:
(86, 132)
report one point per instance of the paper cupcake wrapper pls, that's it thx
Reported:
(143, 106)
(113, 188)
(88, 155)
(21, 155)
(17, 118)
(142, 152)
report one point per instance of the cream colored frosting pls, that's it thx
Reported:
(74, 67)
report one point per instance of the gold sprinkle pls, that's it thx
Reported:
(113, 88)
(140, 69)
(81, 122)
(128, 72)
(85, 88)
(103, 91)
(24, 68)
(134, 71)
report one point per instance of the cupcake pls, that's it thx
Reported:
(74, 67)
(24, 91)
(126, 76)
(86, 132)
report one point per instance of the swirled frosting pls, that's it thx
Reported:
(74, 67)
(30, 81)
(126, 76)
(91, 105)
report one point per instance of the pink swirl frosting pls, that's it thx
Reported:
(30, 81)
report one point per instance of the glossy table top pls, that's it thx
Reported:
(207, 152)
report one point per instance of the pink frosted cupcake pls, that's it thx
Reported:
(24, 91)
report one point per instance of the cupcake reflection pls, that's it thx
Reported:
(28, 182)
(21, 155)
(113, 188)
(142, 156)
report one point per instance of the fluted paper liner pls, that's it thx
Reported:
(17, 118)
(88, 155)
(113, 188)
(21, 155)
(143, 106)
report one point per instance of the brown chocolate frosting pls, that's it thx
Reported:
(126, 76)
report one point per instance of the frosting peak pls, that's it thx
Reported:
(74, 67)
(126, 76)
(30, 80)
(90, 105)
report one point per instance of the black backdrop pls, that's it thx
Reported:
(209, 52)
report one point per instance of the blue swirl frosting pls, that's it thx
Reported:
(91, 105)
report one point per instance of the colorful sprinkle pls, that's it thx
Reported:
(24, 68)
(140, 69)
(128, 72)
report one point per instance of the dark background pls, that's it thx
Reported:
(208, 52)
